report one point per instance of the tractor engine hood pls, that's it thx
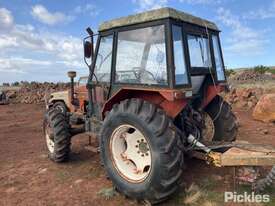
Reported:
(59, 96)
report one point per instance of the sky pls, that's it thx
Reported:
(42, 40)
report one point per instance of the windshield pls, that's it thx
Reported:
(199, 51)
(141, 56)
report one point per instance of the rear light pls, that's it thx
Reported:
(182, 95)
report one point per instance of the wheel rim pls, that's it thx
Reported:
(131, 153)
(209, 129)
(49, 138)
(60, 108)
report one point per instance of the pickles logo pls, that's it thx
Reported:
(246, 197)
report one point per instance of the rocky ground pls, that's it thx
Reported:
(28, 177)
(247, 87)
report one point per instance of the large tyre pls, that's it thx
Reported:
(223, 119)
(140, 149)
(56, 132)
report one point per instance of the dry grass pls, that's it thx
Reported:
(192, 198)
(193, 195)
(107, 193)
(193, 187)
(209, 203)
(197, 195)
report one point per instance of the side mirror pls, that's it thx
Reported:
(88, 48)
(88, 45)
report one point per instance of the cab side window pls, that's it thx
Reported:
(180, 65)
(218, 58)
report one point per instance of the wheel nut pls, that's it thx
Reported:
(142, 140)
(138, 152)
(136, 146)
(147, 154)
(142, 155)
(138, 141)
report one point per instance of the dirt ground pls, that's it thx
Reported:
(28, 177)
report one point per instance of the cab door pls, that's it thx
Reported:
(101, 79)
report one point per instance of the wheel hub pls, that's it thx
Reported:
(143, 148)
(130, 153)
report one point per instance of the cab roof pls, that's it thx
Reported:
(157, 14)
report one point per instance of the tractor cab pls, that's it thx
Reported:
(163, 49)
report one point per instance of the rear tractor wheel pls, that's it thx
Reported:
(56, 132)
(140, 151)
(220, 121)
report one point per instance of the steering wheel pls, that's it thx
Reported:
(138, 71)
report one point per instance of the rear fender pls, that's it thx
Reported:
(163, 99)
(211, 92)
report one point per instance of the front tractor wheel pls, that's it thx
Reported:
(220, 121)
(57, 135)
(140, 148)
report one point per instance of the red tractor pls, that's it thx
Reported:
(153, 96)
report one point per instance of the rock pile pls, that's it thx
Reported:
(33, 93)
(244, 97)
(251, 76)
